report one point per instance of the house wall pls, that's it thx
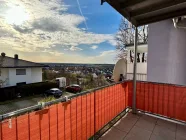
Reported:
(36, 75)
(4, 75)
(33, 75)
(14, 79)
(166, 53)
(141, 68)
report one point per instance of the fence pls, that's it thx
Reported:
(139, 76)
(164, 100)
(80, 118)
(87, 113)
(9, 93)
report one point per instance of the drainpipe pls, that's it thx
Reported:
(134, 71)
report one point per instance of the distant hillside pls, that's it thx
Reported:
(77, 64)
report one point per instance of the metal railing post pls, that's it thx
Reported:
(134, 71)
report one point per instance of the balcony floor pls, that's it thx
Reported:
(143, 127)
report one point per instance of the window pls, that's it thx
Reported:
(20, 71)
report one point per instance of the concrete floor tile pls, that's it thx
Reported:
(149, 118)
(181, 132)
(138, 133)
(135, 137)
(114, 134)
(158, 137)
(143, 127)
(125, 124)
(167, 124)
(180, 138)
(133, 116)
(147, 124)
(162, 131)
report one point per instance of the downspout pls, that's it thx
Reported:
(134, 71)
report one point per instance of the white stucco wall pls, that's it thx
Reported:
(33, 75)
(4, 76)
(141, 68)
(36, 75)
(166, 53)
(14, 79)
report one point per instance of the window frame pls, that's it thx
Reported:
(20, 73)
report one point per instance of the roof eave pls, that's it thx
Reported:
(142, 12)
(26, 67)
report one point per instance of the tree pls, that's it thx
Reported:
(125, 36)
(44, 75)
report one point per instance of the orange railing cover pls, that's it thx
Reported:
(78, 119)
(162, 99)
(83, 116)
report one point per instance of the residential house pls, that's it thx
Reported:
(14, 71)
(141, 62)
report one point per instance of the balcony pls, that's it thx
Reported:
(104, 113)
(145, 127)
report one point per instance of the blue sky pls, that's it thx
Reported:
(56, 31)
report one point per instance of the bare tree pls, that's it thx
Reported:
(125, 37)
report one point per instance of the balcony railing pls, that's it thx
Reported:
(80, 117)
(90, 114)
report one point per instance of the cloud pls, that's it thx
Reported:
(53, 53)
(22, 49)
(22, 29)
(94, 47)
(54, 56)
(110, 52)
(113, 42)
(73, 48)
(45, 24)
(109, 58)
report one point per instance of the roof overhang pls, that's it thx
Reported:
(142, 12)
(45, 66)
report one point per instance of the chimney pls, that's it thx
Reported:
(16, 56)
(3, 54)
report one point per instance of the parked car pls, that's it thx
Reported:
(54, 91)
(74, 88)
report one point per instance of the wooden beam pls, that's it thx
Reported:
(164, 16)
(129, 3)
(156, 7)
(123, 12)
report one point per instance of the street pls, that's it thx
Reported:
(23, 103)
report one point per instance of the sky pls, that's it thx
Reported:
(59, 31)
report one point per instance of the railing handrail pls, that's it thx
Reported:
(161, 83)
